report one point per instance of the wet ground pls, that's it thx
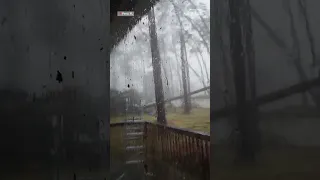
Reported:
(156, 170)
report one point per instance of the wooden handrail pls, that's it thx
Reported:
(184, 131)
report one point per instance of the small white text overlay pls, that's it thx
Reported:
(125, 13)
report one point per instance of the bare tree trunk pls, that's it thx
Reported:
(156, 64)
(204, 64)
(165, 64)
(250, 56)
(187, 100)
(249, 51)
(198, 75)
(179, 75)
(187, 103)
(187, 63)
(171, 78)
(178, 66)
(202, 77)
(295, 51)
(143, 78)
(303, 9)
(245, 150)
(166, 81)
(227, 70)
(269, 30)
(164, 67)
(201, 70)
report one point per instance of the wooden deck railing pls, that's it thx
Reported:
(186, 151)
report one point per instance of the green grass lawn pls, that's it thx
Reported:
(197, 120)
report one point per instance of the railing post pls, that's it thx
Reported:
(145, 140)
(160, 130)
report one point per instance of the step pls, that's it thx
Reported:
(134, 128)
(133, 138)
(134, 117)
(132, 148)
(135, 134)
(135, 162)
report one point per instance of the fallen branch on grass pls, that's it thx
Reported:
(179, 97)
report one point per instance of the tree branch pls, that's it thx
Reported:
(270, 97)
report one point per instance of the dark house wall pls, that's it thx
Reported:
(37, 39)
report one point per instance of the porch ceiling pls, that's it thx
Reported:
(120, 26)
